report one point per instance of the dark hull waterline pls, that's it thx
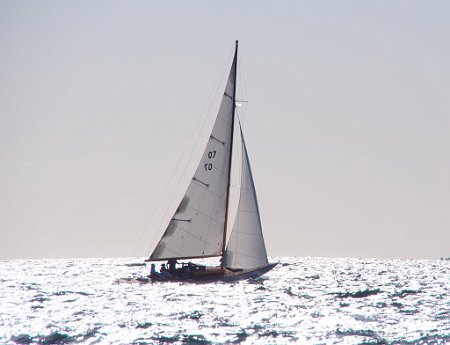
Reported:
(218, 275)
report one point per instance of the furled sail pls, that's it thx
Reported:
(197, 227)
(246, 248)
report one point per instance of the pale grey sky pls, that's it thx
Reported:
(347, 122)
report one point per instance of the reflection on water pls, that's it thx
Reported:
(302, 300)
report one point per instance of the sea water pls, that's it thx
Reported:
(302, 301)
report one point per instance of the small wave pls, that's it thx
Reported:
(132, 280)
(162, 339)
(136, 264)
(444, 315)
(314, 277)
(22, 339)
(144, 325)
(223, 322)
(56, 338)
(405, 293)
(195, 339)
(289, 292)
(239, 337)
(357, 294)
(357, 332)
(381, 305)
(184, 339)
(397, 305)
(62, 293)
(90, 334)
(70, 300)
(409, 311)
(37, 307)
(276, 334)
(196, 315)
(272, 334)
(29, 286)
(259, 280)
(40, 299)
(362, 333)
(429, 339)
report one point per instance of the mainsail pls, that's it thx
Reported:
(246, 248)
(197, 228)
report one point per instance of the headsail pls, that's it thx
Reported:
(197, 227)
(246, 248)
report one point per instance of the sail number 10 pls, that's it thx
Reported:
(211, 155)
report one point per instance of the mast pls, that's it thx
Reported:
(231, 153)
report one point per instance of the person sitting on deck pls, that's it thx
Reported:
(172, 263)
(185, 272)
(164, 273)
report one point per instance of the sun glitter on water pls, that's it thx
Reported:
(303, 300)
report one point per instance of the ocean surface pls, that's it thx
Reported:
(302, 301)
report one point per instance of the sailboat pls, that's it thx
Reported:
(198, 228)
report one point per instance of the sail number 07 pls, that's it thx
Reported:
(211, 155)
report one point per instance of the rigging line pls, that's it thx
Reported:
(233, 73)
(202, 118)
(242, 97)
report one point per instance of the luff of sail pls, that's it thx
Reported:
(246, 248)
(197, 228)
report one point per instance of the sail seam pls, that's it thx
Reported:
(247, 233)
(187, 233)
(220, 117)
(225, 119)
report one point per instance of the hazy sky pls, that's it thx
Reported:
(347, 122)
